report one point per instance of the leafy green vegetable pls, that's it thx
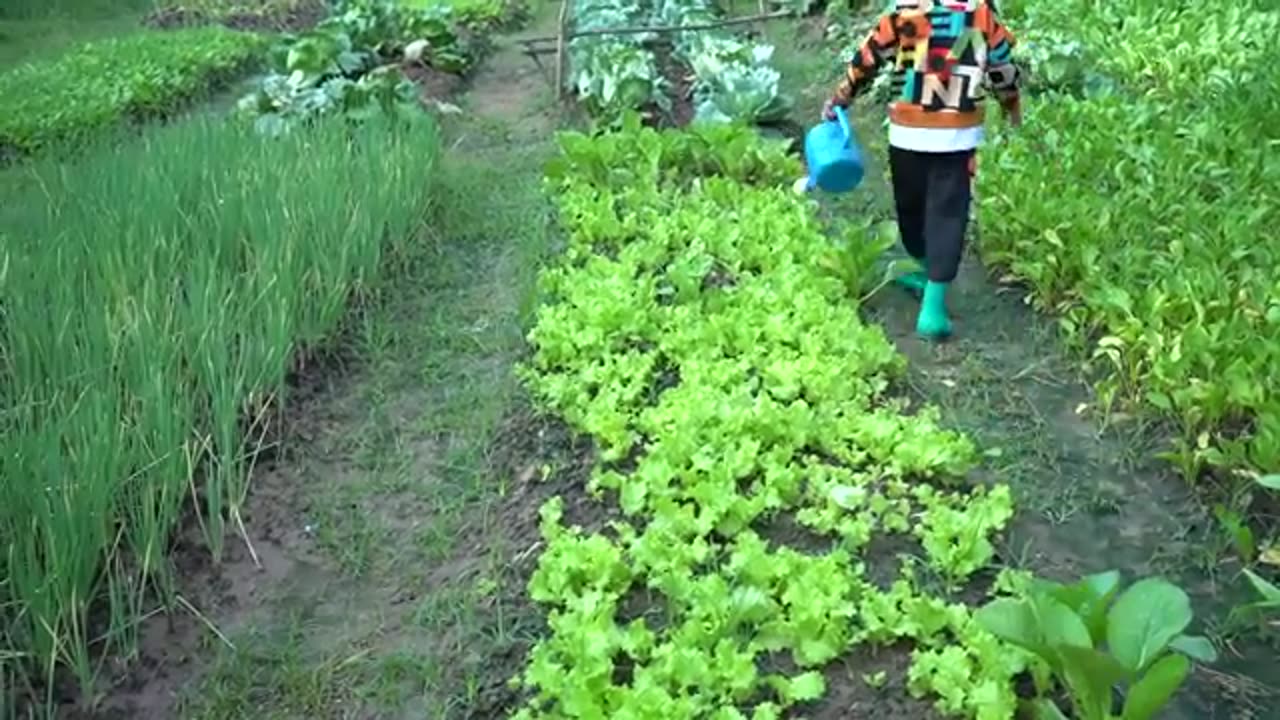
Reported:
(480, 15)
(698, 331)
(618, 74)
(349, 64)
(1066, 626)
(75, 97)
(1165, 291)
(733, 79)
(614, 75)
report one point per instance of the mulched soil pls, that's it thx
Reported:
(300, 16)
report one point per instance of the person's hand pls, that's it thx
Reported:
(829, 109)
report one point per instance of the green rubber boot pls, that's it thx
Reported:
(933, 322)
(913, 282)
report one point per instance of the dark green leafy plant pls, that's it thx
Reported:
(350, 64)
(481, 15)
(1096, 638)
(100, 84)
(1165, 290)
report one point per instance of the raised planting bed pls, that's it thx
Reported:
(263, 16)
(1169, 289)
(751, 453)
(630, 59)
(157, 296)
(104, 83)
(374, 56)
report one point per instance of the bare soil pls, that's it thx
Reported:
(433, 84)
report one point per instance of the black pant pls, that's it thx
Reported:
(932, 193)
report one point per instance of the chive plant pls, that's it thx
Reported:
(152, 297)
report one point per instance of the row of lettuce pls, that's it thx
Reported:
(352, 62)
(155, 294)
(613, 74)
(1139, 210)
(701, 330)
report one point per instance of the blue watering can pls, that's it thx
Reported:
(831, 151)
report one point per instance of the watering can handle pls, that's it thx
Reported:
(842, 115)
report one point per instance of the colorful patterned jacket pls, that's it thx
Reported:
(940, 52)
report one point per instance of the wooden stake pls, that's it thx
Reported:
(561, 60)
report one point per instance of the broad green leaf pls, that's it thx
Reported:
(1271, 482)
(1091, 596)
(1152, 692)
(1143, 621)
(1012, 621)
(1060, 624)
(1102, 584)
(766, 711)
(1195, 647)
(1091, 675)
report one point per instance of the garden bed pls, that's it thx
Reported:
(378, 56)
(1142, 291)
(274, 17)
(675, 334)
(76, 97)
(196, 261)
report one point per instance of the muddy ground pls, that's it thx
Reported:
(390, 539)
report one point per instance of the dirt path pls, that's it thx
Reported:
(391, 534)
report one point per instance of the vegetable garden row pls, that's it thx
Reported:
(699, 329)
(155, 292)
(351, 62)
(1138, 208)
(615, 74)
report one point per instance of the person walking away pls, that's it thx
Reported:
(943, 55)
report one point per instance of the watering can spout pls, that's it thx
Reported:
(831, 151)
